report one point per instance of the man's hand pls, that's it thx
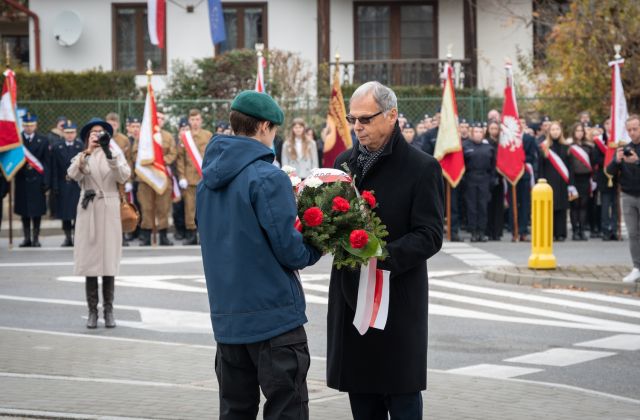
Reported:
(619, 154)
(631, 159)
(183, 184)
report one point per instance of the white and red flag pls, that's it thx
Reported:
(510, 156)
(372, 307)
(150, 165)
(619, 114)
(448, 149)
(262, 63)
(9, 133)
(156, 11)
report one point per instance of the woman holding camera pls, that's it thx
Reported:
(98, 241)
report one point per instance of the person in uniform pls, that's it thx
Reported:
(608, 187)
(189, 175)
(66, 191)
(33, 182)
(409, 134)
(132, 127)
(57, 133)
(155, 208)
(523, 187)
(178, 207)
(558, 180)
(125, 148)
(479, 161)
(544, 128)
(495, 212)
(580, 179)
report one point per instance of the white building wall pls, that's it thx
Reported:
(451, 29)
(342, 38)
(501, 35)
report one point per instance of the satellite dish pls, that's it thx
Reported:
(67, 28)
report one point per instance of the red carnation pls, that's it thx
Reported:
(359, 238)
(313, 216)
(340, 204)
(298, 225)
(369, 198)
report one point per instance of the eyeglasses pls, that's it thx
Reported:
(363, 120)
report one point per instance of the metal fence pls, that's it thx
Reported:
(313, 110)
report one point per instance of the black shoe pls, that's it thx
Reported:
(145, 237)
(191, 238)
(178, 235)
(164, 240)
(595, 234)
(524, 238)
(561, 238)
(575, 236)
(455, 238)
(482, 238)
(26, 243)
(583, 237)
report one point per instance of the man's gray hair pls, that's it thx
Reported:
(385, 97)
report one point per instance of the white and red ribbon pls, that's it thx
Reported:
(557, 163)
(372, 308)
(579, 153)
(600, 143)
(176, 195)
(192, 150)
(33, 161)
(529, 168)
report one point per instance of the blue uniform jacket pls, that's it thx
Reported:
(245, 212)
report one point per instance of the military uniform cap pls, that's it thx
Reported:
(183, 122)
(258, 105)
(546, 119)
(476, 124)
(408, 125)
(69, 126)
(133, 120)
(464, 121)
(61, 118)
(29, 118)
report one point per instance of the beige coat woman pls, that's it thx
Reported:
(98, 237)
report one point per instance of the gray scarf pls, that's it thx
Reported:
(366, 158)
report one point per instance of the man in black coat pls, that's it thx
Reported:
(32, 181)
(384, 370)
(66, 190)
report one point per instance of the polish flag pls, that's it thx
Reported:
(448, 148)
(156, 10)
(619, 113)
(372, 307)
(510, 155)
(150, 165)
(262, 63)
(9, 133)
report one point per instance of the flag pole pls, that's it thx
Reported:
(514, 204)
(448, 211)
(153, 201)
(10, 207)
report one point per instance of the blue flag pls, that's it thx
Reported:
(216, 22)
(11, 161)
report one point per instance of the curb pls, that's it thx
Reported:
(545, 279)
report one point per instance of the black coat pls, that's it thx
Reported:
(66, 190)
(409, 189)
(31, 186)
(548, 172)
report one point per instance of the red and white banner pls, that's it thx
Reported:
(556, 162)
(156, 11)
(33, 161)
(579, 153)
(510, 155)
(262, 63)
(448, 149)
(192, 150)
(619, 114)
(9, 133)
(150, 165)
(372, 307)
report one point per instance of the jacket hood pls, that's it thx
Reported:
(226, 156)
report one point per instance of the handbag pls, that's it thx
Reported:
(129, 214)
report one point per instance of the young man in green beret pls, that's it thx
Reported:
(245, 213)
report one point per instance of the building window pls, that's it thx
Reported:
(245, 25)
(18, 48)
(131, 45)
(395, 30)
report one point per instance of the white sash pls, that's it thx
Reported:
(192, 150)
(579, 153)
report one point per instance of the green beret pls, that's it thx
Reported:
(258, 105)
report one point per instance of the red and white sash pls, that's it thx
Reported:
(579, 153)
(529, 168)
(372, 307)
(192, 150)
(600, 143)
(556, 162)
(176, 195)
(33, 161)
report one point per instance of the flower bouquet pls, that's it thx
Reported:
(337, 219)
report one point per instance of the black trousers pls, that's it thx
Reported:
(380, 406)
(278, 366)
(477, 199)
(495, 212)
(560, 223)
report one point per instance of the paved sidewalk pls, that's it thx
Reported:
(604, 278)
(93, 375)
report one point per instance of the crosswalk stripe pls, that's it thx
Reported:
(536, 298)
(473, 256)
(487, 370)
(594, 296)
(560, 357)
(615, 342)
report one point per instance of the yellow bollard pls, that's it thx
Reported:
(542, 227)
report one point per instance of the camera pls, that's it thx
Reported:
(104, 139)
(627, 150)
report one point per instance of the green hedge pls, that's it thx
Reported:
(92, 84)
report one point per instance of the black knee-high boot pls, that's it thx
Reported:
(26, 231)
(91, 288)
(66, 227)
(36, 232)
(108, 286)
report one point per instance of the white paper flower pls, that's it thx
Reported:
(313, 182)
(295, 180)
(288, 169)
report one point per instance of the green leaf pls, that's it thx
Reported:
(370, 250)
